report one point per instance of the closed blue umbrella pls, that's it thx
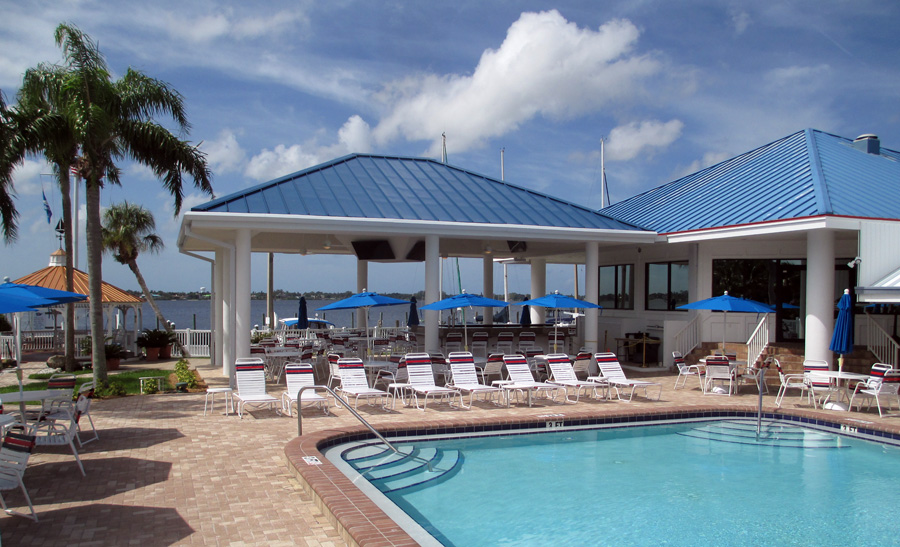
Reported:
(302, 315)
(842, 339)
(726, 303)
(525, 320)
(413, 319)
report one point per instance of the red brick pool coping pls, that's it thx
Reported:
(361, 522)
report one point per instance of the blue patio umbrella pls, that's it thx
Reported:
(725, 304)
(413, 319)
(842, 339)
(363, 300)
(302, 315)
(557, 301)
(464, 300)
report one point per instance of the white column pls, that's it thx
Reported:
(487, 284)
(216, 322)
(538, 289)
(243, 321)
(432, 291)
(362, 284)
(227, 313)
(819, 294)
(270, 292)
(591, 294)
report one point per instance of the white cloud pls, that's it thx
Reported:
(740, 21)
(356, 135)
(546, 66)
(791, 76)
(709, 159)
(27, 177)
(226, 23)
(627, 141)
(280, 161)
(224, 154)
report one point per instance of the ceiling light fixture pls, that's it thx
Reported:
(488, 250)
(327, 244)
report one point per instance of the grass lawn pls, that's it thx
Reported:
(130, 380)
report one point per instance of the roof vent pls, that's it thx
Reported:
(868, 143)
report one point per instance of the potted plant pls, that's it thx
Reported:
(165, 351)
(153, 341)
(114, 354)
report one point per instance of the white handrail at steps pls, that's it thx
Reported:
(758, 341)
(881, 343)
(688, 337)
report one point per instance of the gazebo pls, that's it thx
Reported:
(114, 298)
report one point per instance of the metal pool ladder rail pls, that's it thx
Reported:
(348, 406)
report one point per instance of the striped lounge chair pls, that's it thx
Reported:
(250, 376)
(421, 380)
(354, 383)
(464, 377)
(298, 375)
(14, 453)
(562, 374)
(522, 381)
(611, 372)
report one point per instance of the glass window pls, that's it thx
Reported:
(667, 285)
(616, 287)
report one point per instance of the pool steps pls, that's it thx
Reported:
(772, 434)
(390, 471)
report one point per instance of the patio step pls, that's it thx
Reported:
(771, 434)
(443, 465)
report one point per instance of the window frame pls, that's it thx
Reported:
(617, 289)
(668, 265)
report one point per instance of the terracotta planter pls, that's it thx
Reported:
(113, 363)
(165, 352)
(152, 353)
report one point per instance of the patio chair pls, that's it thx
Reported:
(582, 364)
(420, 372)
(788, 381)
(611, 372)
(685, 370)
(522, 381)
(440, 365)
(556, 341)
(297, 375)
(65, 384)
(276, 357)
(394, 377)
(527, 340)
(453, 341)
(882, 384)
(250, 376)
(355, 384)
(464, 378)
(562, 374)
(479, 343)
(83, 409)
(381, 348)
(718, 369)
(814, 384)
(334, 371)
(493, 367)
(14, 454)
(59, 432)
(504, 342)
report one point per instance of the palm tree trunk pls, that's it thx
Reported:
(95, 278)
(65, 189)
(140, 279)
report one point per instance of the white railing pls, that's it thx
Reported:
(758, 341)
(197, 342)
(882, 344)
(7, 346)
(688, 337)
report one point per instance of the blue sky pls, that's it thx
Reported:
(275, 87)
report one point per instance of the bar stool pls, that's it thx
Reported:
(211, 398)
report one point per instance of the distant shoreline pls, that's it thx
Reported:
(285, 295)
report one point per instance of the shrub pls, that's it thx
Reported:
(110, 389)
(154, 338)
(150, 388)
(184, 373)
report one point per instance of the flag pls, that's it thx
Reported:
(47, 207)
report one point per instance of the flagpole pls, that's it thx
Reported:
(602, 177)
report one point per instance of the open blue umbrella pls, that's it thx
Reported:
(842, 339)
(726, 303)
(413, 319)
(465, 300)
(363, 300)
(302, 315)
(556, 301)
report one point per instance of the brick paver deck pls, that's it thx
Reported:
(163, 474)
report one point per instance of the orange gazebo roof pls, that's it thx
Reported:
(54, 277)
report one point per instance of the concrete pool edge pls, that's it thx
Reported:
(362, 522)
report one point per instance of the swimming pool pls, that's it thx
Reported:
(676, 484)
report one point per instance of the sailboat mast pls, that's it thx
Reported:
(602, 178)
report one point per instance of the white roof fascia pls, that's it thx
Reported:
(886, 289)
(345, 225)
(767, 228)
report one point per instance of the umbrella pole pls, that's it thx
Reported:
(19, 366)
(724, 326)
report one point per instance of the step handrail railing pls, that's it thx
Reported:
(348, 406)
(881, 343)
(758, 341)
(688, 337)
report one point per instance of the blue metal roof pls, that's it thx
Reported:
(808, 173)
(398, 188)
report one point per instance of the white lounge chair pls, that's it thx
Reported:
(250, 376)
(611, 372)
(882, 384)
(421, 380)
(14, 453)
(464, 377)
(354, 383)
(298, 375)
(562, 374)
(522, 381)
(582, 364)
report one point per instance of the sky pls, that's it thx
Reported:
(275, 87)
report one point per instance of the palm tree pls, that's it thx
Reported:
(113, 120)
(128, 231)
(34, 127)
(8, 213)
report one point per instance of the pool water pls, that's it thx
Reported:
(681, 484)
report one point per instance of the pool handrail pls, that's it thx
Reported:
(350, 408)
